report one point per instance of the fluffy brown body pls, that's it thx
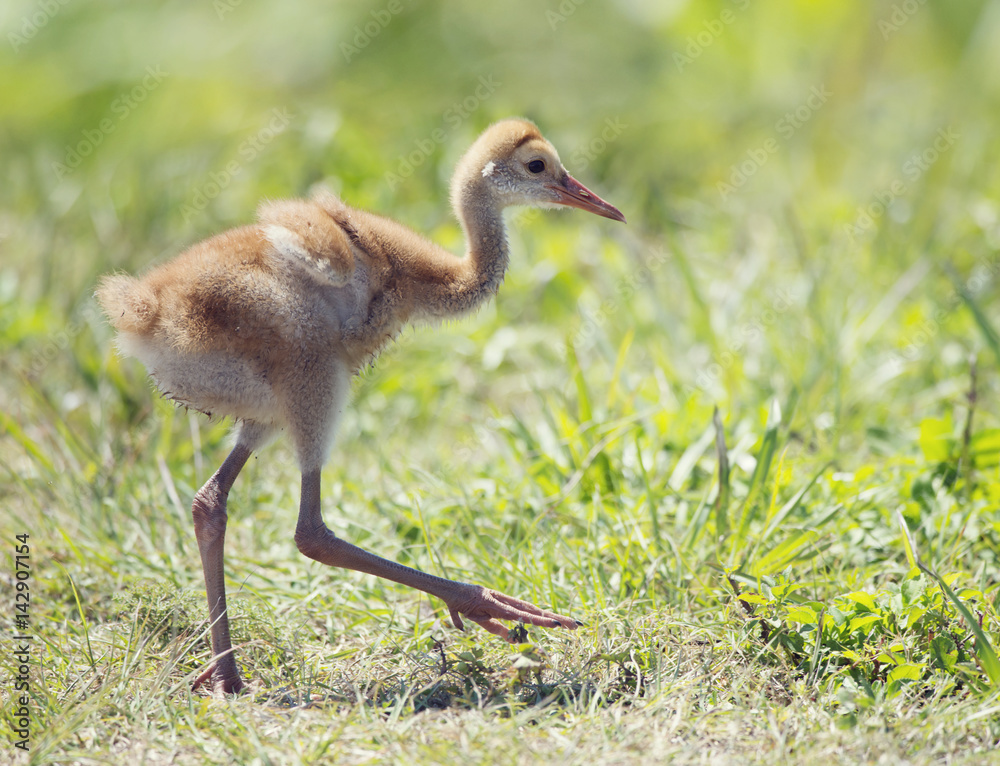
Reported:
(268, 323)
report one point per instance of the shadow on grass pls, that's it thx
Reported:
(428, 675)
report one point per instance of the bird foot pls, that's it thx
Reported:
(220, 684)
(485, 607)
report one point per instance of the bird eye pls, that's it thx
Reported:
(536, 166)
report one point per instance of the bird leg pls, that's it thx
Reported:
(209, 513)
(479, 604)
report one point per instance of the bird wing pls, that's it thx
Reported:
(306, 236)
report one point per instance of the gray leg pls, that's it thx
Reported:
(479, 604)
(209, 514)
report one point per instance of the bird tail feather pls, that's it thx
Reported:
(131, 306)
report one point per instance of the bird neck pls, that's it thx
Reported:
(452, 286)
(485, 263)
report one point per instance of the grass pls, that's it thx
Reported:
(750, 439)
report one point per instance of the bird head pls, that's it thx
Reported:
(520, 167)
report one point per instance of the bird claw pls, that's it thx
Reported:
(220, 685)
(486, 607)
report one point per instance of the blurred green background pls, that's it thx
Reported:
(743, 141)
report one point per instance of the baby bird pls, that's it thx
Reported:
(268, 323)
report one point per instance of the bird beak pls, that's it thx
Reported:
(574, 194)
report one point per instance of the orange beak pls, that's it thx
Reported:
(574, 194)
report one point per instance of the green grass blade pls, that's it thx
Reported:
(908, 545)
(28, 444)
(791, 549)
(654, 518)
(768, 446)
(989, 332)
(984, 650)
(778, 518)
(689, 459)
(722, 499)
